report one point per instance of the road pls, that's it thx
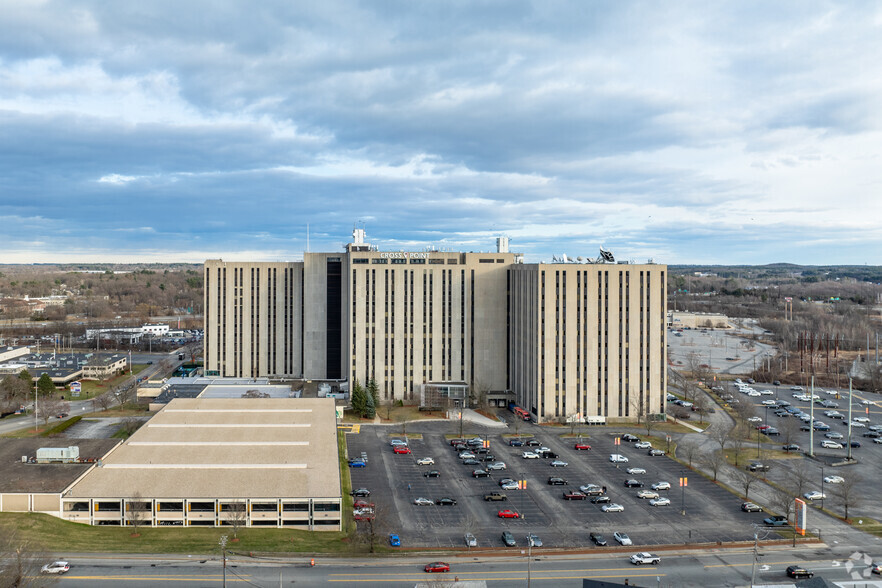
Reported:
(711, 568)
(78, 407)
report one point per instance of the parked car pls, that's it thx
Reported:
(618, 458)
(661, 486)
(508, 539)
(751, 507)
(497, 465)
(630, 438)
(655, 452)
(515, 443)
(661, 501)
(633, 484)
(581, 446)
(827, 444)
(432, 474)
(591, 489)
(480, 474)
(534, 540)
(559, 464)
(507, 514)
(613, 507)
(756, 466)
(398, 449)
(597, 538)
(397, 442)
(601, 499)
(425, 461)
(446, 501)
(775, 521)
(357, 463)
(573, 495)
(422, 501)
(622, 538)
(814, 495)
(394, 540)
(647, 494)
(834, 479)
(495, 497)
(530, 455)
(635, 471)
(643, 445)
(470, 540)
(555, 481)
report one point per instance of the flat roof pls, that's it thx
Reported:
(38, 477)
(225, 448)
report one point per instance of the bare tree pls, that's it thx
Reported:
(137, 510)
(782, 502)
(51, 406)
(846, 492)
(21, 560)
(790, 430)
(801, 476)
(371, 526)
(700, 404)
(745, 480)
(722, 434)
(737, 444)
(714, 461)
(105, 401)
(690, 451)
(235, 515)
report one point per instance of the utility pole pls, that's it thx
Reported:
(36, 420)
(755, 556)
(811, 450)
(849, 420)
(223, 544)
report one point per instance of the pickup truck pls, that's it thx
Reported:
(645, 558)
(775, 521)
(495, 496)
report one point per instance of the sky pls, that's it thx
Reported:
(743, 132)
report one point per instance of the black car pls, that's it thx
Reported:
(487, 457)
(602, 499)
(361, 492)
(533, 443)
(855, 443)
(549, 454)
(480, 474)
(515, 442)
(633, 484)
(597, 538)
(555, 481)
(445, 502)
(798, 572)
(432, 474)
(872, 434)
(630, 438)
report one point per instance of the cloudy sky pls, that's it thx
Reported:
(686, 132)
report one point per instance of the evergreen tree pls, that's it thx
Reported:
(374, 392)
(26, 376)
(370, 409)
(45, 385)
(358, 399)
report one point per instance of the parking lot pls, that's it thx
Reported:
(867, 464)
(395, 480)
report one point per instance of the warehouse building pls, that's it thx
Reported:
(257, 462)
(569, 339)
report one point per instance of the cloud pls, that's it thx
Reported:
(687, 132)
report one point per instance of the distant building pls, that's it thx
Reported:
(697, 320)
(101, 367)
(559, 339)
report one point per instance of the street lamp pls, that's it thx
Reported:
(822, 487)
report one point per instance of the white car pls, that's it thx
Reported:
(614, 507)
(498, 465)
(663, 501)
(56, 567)
(834, 479)
(425, 461)
(622, 538)
(766, 393)
(769, 402)
(643, 445)
(754, 419)
(878, 440)
(510, 486)
(661, 486)
(399, 442)
(856, 424)
(861, 419)
(644, 558)
(796, 388)
(530, 455)
(423, 501)
(754, 393)
(618, 458)
(470, 540)
(827, 444)
(636, 471)
(559, 464)
(467, 455)
(814, 495)
(647, 494)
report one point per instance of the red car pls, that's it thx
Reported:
(508, 514)
(401, 449)
(582, 446)
(362, 504)
(437, 566)
(363, 517)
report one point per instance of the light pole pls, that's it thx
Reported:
(822, 487)
(529, 557)
(36, 420)
(223, 545)
(849, 457)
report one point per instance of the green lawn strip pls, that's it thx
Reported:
(409, 435)
(346, 485)
(60, 536)
(92, 388)
(61, 427)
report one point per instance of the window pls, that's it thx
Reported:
(485, 261)
(264, 507)
(296, 507)
(437, 261)
(379, 260)
(360, 260)
(326, 507)
(416, 260)
(452, 261)
(170, 506)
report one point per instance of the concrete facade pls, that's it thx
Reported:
(407, 319)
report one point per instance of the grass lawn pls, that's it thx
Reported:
(61, 536)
